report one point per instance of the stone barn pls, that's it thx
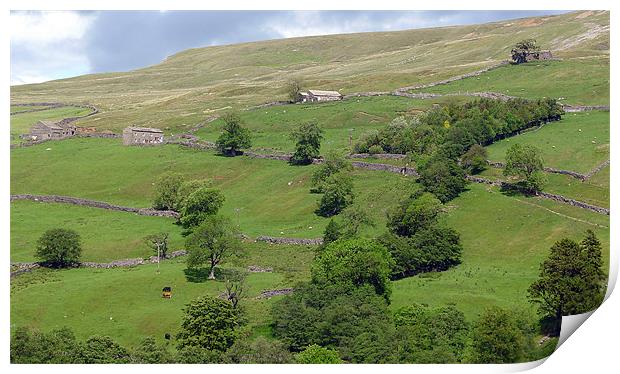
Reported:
(521, 56)
(313, 96)
(142, 136)
(47, 130)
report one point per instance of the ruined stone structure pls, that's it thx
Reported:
(142, 136)
(520, 56)
(47, 130)
(314, 96)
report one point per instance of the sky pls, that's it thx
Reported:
(59, 44)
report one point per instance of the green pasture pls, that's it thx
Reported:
(572, 81)
(579, 142)
(591, 191)
(23, 108)
(343, 122)
(264, 197)
(505, 239)
(106, 235)
(20, 123)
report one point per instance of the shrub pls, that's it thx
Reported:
(59, 248)
(375, 149)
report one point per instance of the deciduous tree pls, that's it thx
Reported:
(211, 243)
(308, 143)
(234, 137)
(209, 323)
(59, 248)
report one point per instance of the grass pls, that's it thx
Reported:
(491, 274)
(579, 142)
(106, 235)
(125, 304)
(340, 121)
(590, 191)
(188, 86)
(575, 81)
(265, 197)
(504, 239)
(20, 123)
(23, 108)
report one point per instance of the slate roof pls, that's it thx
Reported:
(324, 93)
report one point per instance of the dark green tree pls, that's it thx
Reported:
(337, 195)
(211, 243)
(333, 163)
(258, 351)
(234, 137)
(59, 248)
(199, 205)
(570, 280)
(315, 354)
(209, 323)
(352, 263)
(35, 347)
(103, 350)
(332, 232)
(475, 159)
(443, 177)
(497, 338)
(308, 143)
(419, 211)
(190, 354)
(167, 191)
(525, 164)
(149, 352)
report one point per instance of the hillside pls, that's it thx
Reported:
(187, 87)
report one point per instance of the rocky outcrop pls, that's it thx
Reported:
(293, 241)
(94, 204)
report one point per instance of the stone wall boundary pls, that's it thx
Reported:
(94, 204)
(293, 241)
(545, 195)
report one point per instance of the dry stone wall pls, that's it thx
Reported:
(293, 241)
(94, 204)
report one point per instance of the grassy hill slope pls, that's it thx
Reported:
(189, 86)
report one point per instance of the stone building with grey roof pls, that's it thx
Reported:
(313, 96)
(142, 136)
(48, 130)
